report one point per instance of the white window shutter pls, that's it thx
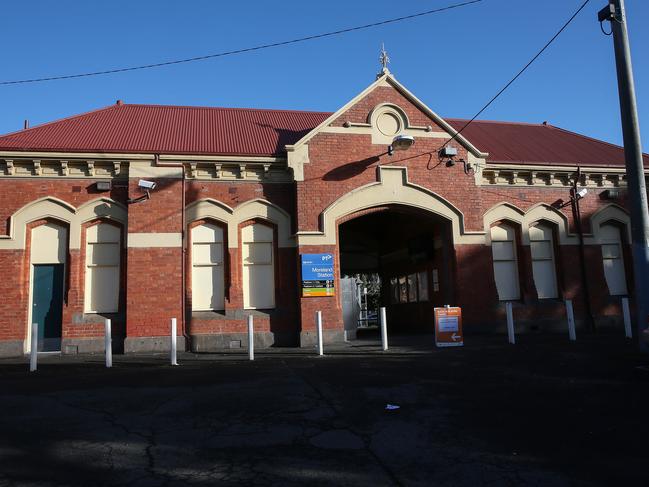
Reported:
(543, 264)
(613, 260)
(257, 251)
(208, 278)
(103, 255)
(505, 263)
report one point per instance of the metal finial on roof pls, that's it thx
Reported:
(384, 59)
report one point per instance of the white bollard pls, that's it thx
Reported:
(627, 318)
(384, 329)
(571, 321)
(251, 338)
(174, 347)
(318, 319)
(108, 344)
(33, 353)
(510, 323)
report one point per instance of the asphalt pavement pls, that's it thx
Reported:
(542, 412)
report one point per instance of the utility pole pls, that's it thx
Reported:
(615, 13)
(575, 196)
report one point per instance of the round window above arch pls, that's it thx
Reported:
(387, 121)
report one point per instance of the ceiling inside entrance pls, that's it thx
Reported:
(386, 237)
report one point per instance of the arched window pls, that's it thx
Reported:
(543, 266)
(503, 248)
(208, 285)
(102, 268)
(613, 260)
(258, 267)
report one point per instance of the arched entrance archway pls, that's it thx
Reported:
(392, 190)
(404, 257)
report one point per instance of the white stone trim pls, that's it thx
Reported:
(47, 207)
(544, 212)
(215, 158)
(356, 130)
(392, 188)
(76, 155)
(25, 168)
(209, 208)
(610, 212)
(154, 240)
(550, 176)
(148, 169)
(50, 207)
(297, 157)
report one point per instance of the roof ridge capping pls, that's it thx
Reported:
(238, 109)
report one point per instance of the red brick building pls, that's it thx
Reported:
(241, 194)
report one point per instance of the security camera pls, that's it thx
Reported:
(148, 185)
(582, 192)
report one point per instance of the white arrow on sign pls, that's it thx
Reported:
(456, 337)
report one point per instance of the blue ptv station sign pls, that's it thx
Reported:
(317, 275)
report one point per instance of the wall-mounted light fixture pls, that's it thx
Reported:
(610, 194)
(401, 142)
(103, 185)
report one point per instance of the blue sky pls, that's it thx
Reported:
(453, 61)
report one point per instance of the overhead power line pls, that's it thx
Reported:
(240, 51)
(531, 61)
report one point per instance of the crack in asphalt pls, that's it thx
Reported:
(365, 438)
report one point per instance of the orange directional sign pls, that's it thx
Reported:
(448, 327)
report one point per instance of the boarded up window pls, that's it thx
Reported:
(102, 268)
(208, 286)
(258, 267)
(543, 265)
(613, 260)
(503, 248)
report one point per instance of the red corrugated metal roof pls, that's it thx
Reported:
(525, 143)
(169, 130)
(239, 131)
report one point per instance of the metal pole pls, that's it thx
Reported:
(626, 313)
(576, 213)
(510, 323)
(365, 305)
(318, 319)
(634, 167)
(251, 338)
(384, 329)
(108, 345)
(174, 348)
(33, 353)
(571, 321)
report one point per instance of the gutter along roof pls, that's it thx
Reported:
(125, 128)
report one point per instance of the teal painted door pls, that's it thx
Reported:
(47, 305)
